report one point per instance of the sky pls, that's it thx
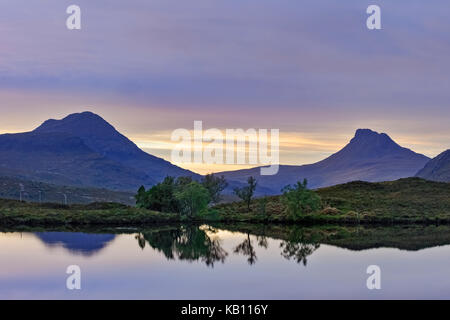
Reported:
(309, 68)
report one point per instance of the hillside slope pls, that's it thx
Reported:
(409, 200)
(33, 191)
(437, 169)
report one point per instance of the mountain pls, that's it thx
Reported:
(81, 150)
(437, 169)
(369, 156)
(104, 139)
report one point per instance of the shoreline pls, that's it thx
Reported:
(135, 218)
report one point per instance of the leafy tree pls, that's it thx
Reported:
(161, 196)
(246, 193)
(299, 199)
(182, 195)
(141, 197)
(214, 185)
(192, 198)
(183, 181)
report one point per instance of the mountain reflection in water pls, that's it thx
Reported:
(76, 242)
(204, 243)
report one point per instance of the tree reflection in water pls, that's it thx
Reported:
(262, 241)
(195, 243)
(189, 243)
(246, 248)
(299, 246)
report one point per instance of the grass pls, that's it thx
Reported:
(404, 201)
(13, 212)
(411, 200)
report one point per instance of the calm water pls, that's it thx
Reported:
(192, 262)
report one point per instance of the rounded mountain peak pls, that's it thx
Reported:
(77, 123)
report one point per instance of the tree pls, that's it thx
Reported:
(183, 181)
(141, 197)
(299, 199)
(182, 195)
(214, 185)
(246, 193)
(161, 196)
(192, 198)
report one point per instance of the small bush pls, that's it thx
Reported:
(299, 200)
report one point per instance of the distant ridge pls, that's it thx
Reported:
(369, 156)
(437, 169)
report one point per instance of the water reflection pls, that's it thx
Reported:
(246, 248)
(226, 261)
(299, 245)
(190, 243)
(204, 243)
(185, 243)
(200, 243)
(76, 242)
(298, 251)
(296, 243)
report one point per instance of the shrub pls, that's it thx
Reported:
(262, 206)
(192, 198)
(299, 200)
(161, 197)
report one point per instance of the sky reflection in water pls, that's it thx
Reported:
(191, 262)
